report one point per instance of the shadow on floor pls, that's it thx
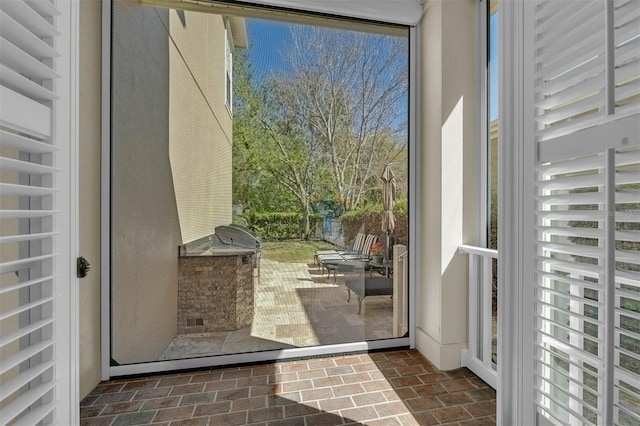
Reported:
(384, 388)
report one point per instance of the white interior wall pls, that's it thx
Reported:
(448, 204)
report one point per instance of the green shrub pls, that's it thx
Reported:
(278, 225)
(368, 219)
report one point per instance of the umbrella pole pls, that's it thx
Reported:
(386, 251)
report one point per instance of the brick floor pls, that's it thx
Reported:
(380, 388)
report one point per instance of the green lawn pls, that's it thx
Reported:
(293, 251)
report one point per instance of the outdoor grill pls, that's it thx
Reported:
(216, 280)
(233, 237)
(225, 241)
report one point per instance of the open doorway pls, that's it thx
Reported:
(252, 157)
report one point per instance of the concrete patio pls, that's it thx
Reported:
(295, 306)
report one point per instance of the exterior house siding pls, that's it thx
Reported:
(200, 125)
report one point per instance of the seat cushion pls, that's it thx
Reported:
(370, 286)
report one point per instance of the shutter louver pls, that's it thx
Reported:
(626, 339)
(569, 67)
(587, 283)
(28, 218)
(627, 56)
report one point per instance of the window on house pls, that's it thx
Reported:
(228, 66)
(260, 230)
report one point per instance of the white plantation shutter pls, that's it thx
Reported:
(36, 137)
(626, 38)
(583, 63)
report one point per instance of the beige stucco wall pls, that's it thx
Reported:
(448, 108)
(171, 164)
(89, 197)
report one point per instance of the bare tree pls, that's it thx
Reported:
(268, 129)
(347, 89)
(292, 159)
(333, 121)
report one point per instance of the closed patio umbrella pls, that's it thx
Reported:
(389, 193)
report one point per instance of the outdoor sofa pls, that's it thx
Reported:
(364, 287)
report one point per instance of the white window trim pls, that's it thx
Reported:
(228, 66)
(483, 114)
(414, 180)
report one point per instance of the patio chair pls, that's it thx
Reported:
(340, 260)
(355, 248)
(358, 251)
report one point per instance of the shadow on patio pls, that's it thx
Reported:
(295, 306)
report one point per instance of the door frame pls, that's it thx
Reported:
(67, 132)
(515, 218)
(108, 371)
(105, 197)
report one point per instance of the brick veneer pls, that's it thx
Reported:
(218, 290)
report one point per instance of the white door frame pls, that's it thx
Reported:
(515, 218)
(108, 371)
(67, 128)
(105, 197)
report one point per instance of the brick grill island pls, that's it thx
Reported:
(215, 290)
(215, 293)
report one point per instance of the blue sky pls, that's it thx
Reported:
(267, 39)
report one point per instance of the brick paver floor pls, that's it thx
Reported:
(382, 388)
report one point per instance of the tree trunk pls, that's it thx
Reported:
(306, 222)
